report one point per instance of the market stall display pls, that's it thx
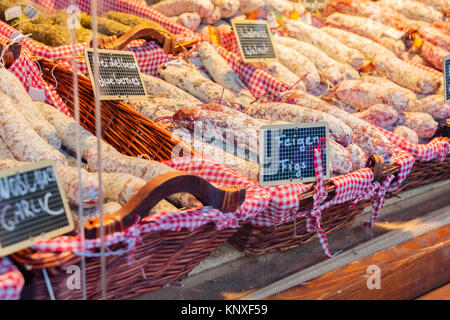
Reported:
(370, 69)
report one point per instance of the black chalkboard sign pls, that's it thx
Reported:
(32, 207)
(254, 40)
(447, 78)
(286, 153)
(119, 75)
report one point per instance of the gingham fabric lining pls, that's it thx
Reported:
(435, 149)
(133, 7)
(28, 73)
(148, 54)
(257, 199)
(11, 280)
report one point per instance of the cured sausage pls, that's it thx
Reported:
(414, 10)
(292, 113)
(332, 47)
(170, 8)
(422, 123)
(379, 115)
(283, 74)
(330, 70)
(359, 157)
(406, 133)
(434, 105)
(23, 142)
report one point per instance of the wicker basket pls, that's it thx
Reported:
(162, 258)
(254, 240)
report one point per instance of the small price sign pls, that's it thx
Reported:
(447, 78)
(254, 40)
(32, 207)
(119, 76)
(286, 153)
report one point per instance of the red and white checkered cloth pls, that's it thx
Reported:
(257, 199)
(11, 280)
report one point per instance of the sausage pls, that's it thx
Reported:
(330, 70)
(121, 187)
(414, 10)
(69, 181)
(422, 123)
(433, 35)
(442, 6)
(289, 112)
(222, 73)
(433, 54)
(367, 137)
(368, 9)
(13, 88)
(434, 105)
(299, 64)
(359, 157)
(214, 17)
(283, 6)
(189, 20)
(283, 74)
(368, 47)
(442, 26)
(194, 82)
(322, 40)
(172, 8)
(236, 131)
(389, 85)
(379, 115)
(407, 75)
(23, 142)
(228, 8)
(362, 95)
(158, 87)
(5, 153)
(406, 133)
(340, 159)
(368, 28)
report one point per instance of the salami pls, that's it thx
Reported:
(422, 123)
(282, 73)
(236, 131)
(121, 187)
(23, 142)
(332, 47)
(392, 87)
(406, 133)
(407, 75)
(364, 135)
(442, 26)
(330, 70)
(433, 35)
(189, 20)
(369, 48)
(433, 54)
(340, 159)
(442, 6)
(363, 95)
(434, 105)
(69, 180)
(13, 88)
(228, 8)
(5, 153)
(170, 8)
(299, 64)
(222, 73)
(289, 112)
(359, 157)
(369, 9)
(194, 82)
(379, 115)
(214, 17)
(368, 28)
(285, 7)
(414, 10)
(159, 87)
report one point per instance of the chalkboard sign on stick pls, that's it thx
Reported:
(32, 206)
(447, 78)
(254, 40)
(286, 153)
(119, 75)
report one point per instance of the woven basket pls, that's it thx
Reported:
(255, 240)
(162, 258)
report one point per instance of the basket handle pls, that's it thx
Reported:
(226, 199)
(148, 33)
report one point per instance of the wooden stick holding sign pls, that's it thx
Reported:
(32, 206)
(286, 153)
(119, 76)
(254, 40)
